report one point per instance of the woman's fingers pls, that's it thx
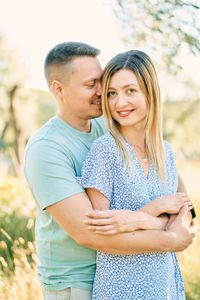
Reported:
(100, 228)
(101, 214)
(99, 222)
(107, 232)
(189, 203)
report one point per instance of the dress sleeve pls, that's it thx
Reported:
(171, 169)
(97, 171)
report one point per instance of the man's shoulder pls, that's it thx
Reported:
(100, 125)
(43, 132)
(46, 139)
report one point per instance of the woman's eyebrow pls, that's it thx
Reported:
(127, 85)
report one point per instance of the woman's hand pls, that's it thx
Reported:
(109, 222)
(172, 203)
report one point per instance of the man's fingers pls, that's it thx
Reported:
(183, 212)
(193, 227)
(101, 214)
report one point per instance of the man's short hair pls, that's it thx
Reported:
(64, 53)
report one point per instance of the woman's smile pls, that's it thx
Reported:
(125, 113)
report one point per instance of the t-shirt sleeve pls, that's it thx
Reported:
(50, 173)
(97, 171)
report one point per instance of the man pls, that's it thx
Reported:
(54, 157)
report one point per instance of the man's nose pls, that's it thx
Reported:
(99, 89)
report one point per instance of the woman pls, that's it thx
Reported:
(130, 168)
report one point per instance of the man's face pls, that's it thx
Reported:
(82, 92)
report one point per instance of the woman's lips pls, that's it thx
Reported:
(125, 113)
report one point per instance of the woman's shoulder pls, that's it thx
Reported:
(167, 146)
(105, 142)
(168, 152)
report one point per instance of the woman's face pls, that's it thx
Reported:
(126, 101)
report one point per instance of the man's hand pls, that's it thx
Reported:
(172, 218)
(109, 222)
(183, 233)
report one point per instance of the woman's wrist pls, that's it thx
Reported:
(159, 206)
(154, 208)
(148, 222)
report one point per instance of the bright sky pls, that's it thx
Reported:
(35, 26)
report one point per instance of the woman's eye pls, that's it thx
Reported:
(131, 91)
(110, 94)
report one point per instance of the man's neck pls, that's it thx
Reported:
(78, 124)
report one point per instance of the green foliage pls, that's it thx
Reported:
(165, 27)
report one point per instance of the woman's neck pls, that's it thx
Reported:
(132, 136)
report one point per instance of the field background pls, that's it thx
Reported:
(168, 30)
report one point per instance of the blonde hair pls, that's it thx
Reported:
(141, 65)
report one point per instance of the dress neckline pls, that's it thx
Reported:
(137, 161)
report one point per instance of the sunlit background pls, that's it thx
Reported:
(169, 31)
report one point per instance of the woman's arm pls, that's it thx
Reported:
(171, 203)
(106, 221)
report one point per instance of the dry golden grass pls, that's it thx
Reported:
(23, 283)
(18, 279)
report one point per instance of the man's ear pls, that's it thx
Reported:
(57, 88)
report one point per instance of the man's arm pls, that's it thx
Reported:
(70, 212)
(51, 177)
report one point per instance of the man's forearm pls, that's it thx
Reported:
(70, 213)
(137, 242)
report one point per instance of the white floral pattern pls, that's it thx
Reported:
(152, 276)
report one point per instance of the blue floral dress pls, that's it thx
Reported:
(152, 276)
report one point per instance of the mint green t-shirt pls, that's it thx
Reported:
(53, 159)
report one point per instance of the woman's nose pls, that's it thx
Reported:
(121, 101)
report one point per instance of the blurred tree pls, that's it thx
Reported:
(12, 78)
(164, 27)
